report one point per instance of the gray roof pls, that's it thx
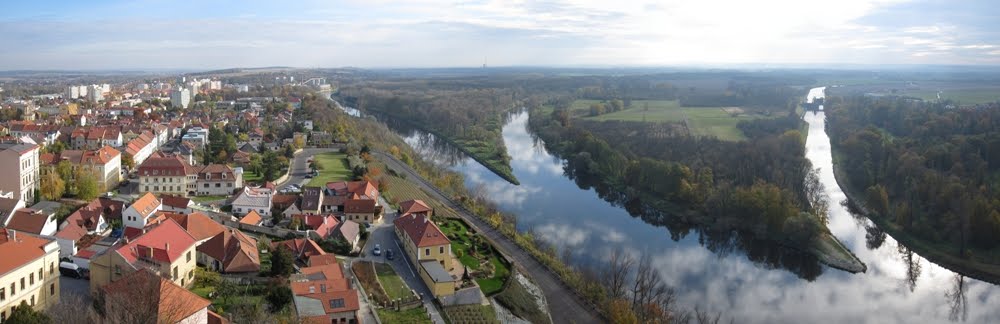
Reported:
(254, 200)
(436, 271)
(349, 230)
(309, 306)
(468, 296)
(47, 207)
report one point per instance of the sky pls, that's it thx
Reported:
(154, 34)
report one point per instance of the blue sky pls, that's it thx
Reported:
(208, 34)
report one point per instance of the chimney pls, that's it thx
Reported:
(13, 234)
(166, 246)
(151, 252)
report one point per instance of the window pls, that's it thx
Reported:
(22, 283)
(32, 300)
(39, 274)
(12, 290)
(337, 303)
(31, 278)
(427, 251)
(218, 185)
(206, 185)
(118, 270)
(52, 289)
(3, 316)
(52, 267)
(229, 185)
(189, 256)
(175, 272)
(3, 294)
(441, 250)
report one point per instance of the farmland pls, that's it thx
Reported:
(702, 121)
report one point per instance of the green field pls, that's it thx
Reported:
(963, 96)
(703, 121)
(332, 167)
(402, 190)
(393, 285)
(415, 315)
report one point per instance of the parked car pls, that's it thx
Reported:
(72, 270)
(389, 254)
(309, 175)
(377, 250)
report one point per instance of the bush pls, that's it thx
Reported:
(278, 296)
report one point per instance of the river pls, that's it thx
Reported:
(747, 280)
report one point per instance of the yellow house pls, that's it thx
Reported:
(427, 247)
(165, 249)
(28, 271)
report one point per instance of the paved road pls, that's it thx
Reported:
(385, 237)
(300, 166)
(564, 305)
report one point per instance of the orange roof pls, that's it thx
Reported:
(145, 205)
(199, 225)
(23, 249)
(302, 248)
(251, 218)
(421, 230)
(27, 220)
(174, 302)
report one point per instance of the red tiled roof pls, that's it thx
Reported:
(165, 242)
(199, 225)
(251, 218)
(413, 206)
(359, 206)
(28, 220)
(321, 224)
(236, 251)
(145, 205)
(421, 230)
(302, 248)
(175, 201)
(174, 302)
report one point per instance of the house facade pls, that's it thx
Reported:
(28, 272)
(20, 161)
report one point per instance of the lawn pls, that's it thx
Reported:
(402, 190)
(201, 199)
(393, 285)
(332, 167)
(519, 301)
(703, 121)
(250, 176)
(414, 315)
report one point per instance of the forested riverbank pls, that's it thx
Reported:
(470, 119)
(763, 188)
(920, 172)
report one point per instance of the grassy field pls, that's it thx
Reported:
(250, 176)
(963, 96)
(393, 285)
(519, 301)
(402, 190)
(703, 121)
(332, 167)
(415, 315)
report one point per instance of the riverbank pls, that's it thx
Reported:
(484, 154)
(935, 253)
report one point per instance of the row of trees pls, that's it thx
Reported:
(65, 180)
(931, 170)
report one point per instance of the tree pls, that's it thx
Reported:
(278, 296)
(620, 312)
(336, 246)
(65, 171)
(128, 161)
(87, 188)
(617, 272)
(52, 186)
(25, 314)
(282, 262)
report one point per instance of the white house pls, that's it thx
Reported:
(253, 198)
(137, 215)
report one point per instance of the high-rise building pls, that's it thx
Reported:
(95, 93)
(180, 98)
(72, 92)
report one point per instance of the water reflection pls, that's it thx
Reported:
(750, 282)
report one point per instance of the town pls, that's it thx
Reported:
(186, 199)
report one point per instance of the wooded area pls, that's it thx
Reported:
(931, 170)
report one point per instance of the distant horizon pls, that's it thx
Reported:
(159, 34)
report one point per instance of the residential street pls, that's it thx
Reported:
(385, 236)
(564, 304)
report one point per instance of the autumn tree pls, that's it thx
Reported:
(87, 186)
(52, 186)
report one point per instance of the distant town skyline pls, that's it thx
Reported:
(155, 34)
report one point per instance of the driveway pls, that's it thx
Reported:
(385, 236)
(70, 286)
